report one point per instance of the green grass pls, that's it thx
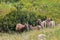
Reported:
(51, 34)
(50, 8)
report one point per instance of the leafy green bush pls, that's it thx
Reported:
(10, 20)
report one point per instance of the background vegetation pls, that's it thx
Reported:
(23, 11)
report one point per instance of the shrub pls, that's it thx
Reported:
(10, 20)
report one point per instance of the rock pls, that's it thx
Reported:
(41, 37)
(0, 38)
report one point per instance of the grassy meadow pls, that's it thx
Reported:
(51, 34)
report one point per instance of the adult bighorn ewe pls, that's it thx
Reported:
(21, 27)
(46, 23)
